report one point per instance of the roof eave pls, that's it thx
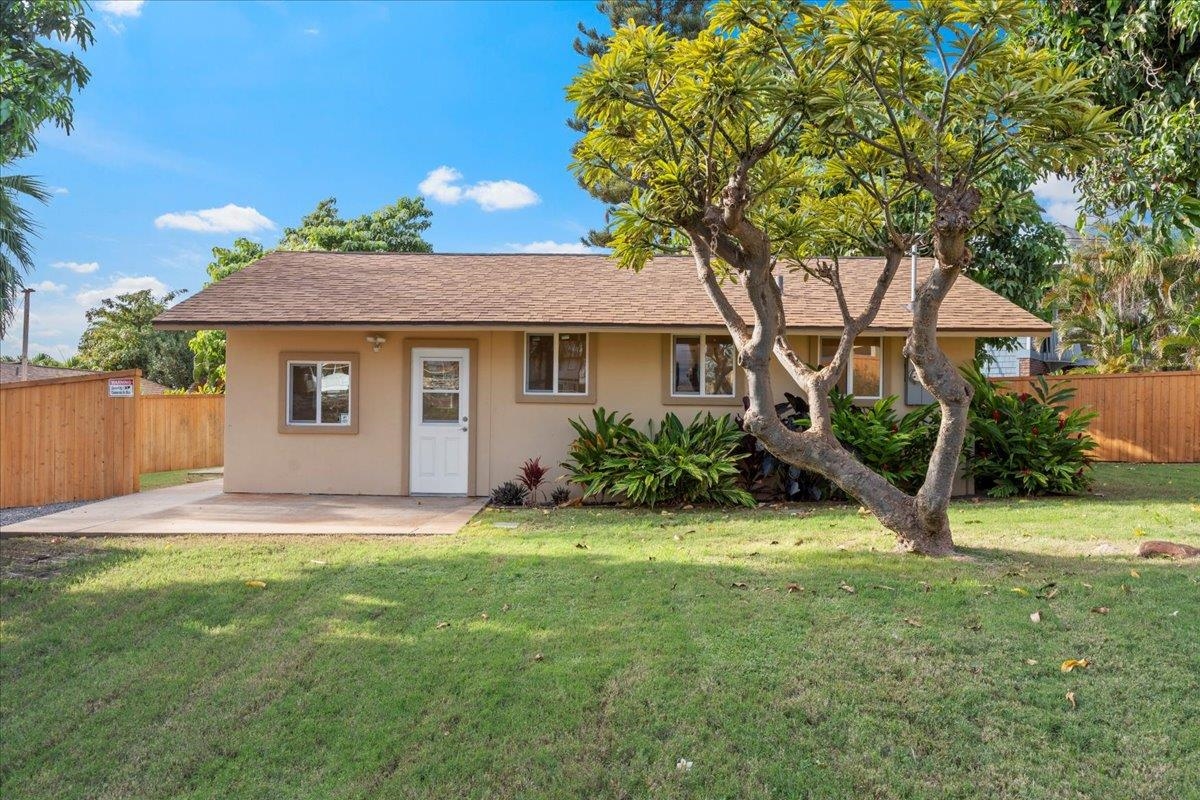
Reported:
(648, 327)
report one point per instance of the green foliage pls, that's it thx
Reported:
(678, 17)
(509, 494)
(1144, 56)
(200, 388)
(119, 335)
(1018, 253)
(840, 116)
(394, 228)
(228, 260)
(208, 357)
(37, 80)
(693, 463)
(560, 495)
(1027, 443)
(896, 447)
(1131, 303)
(16, 228)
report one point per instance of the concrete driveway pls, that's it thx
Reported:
(204, 508)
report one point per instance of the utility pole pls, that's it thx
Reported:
(23, 375)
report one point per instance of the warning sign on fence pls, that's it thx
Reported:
(120, 387)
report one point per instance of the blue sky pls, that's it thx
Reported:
(272, 106)
(207, 121)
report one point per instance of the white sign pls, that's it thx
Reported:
(120, 387)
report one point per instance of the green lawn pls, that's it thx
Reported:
(161, 480)
(614, 644)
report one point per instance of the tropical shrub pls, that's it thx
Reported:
(678, 463)
(560, 495)
(896, 447)
(1027, 443)
(509, 494)
(531, 476)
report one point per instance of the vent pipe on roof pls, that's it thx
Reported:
(912, 289)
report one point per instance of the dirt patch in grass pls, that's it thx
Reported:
(40, 558)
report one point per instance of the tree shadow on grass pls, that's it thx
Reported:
(594, 672)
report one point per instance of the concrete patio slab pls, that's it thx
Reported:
(204, 508)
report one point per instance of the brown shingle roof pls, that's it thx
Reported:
(514, 290)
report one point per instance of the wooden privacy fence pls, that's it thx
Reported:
(91, 436)
(1145, 417)
(181, 431)
(68, 439)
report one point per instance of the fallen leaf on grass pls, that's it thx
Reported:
(538, 657)
(1072, 664)
(1133, 573)
(1035, 616)
(1100, 610)
(505, 607)
(315, 561)
(1020, 591)
(1138, 532)
(847, 588)
(881, 586)
(737, 585)
(794, 587)
(257, 584)
(581, 545)
(1031, 661)
(1071, 699)
(483, 616)
(441, 625)
(1048, 591)
(916, 623)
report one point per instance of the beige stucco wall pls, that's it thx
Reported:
(628, 370)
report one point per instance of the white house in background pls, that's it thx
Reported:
(1031, 355)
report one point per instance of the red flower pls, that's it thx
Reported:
(996, 415)
(1024, 396)
(1035, 430)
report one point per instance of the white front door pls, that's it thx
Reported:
(439, 440)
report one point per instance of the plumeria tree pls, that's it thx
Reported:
(786, 135)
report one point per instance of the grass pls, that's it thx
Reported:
(161, 480)
(614, 644)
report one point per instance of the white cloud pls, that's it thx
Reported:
(443, 185)
(59, 190)
(48, 286)
(550, 246)
(121, 8)
(313, 31)
(81, 267)
(1059, 199)
(90, 297)
(226, 219)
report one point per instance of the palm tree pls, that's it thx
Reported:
(16, 229)
(1130, 303)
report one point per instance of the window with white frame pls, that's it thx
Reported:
(318, 393)
(863, 377)
(703, 365)
(556, 363)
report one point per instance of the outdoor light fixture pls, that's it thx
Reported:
(376, 342)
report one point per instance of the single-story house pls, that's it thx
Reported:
(397, 374)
